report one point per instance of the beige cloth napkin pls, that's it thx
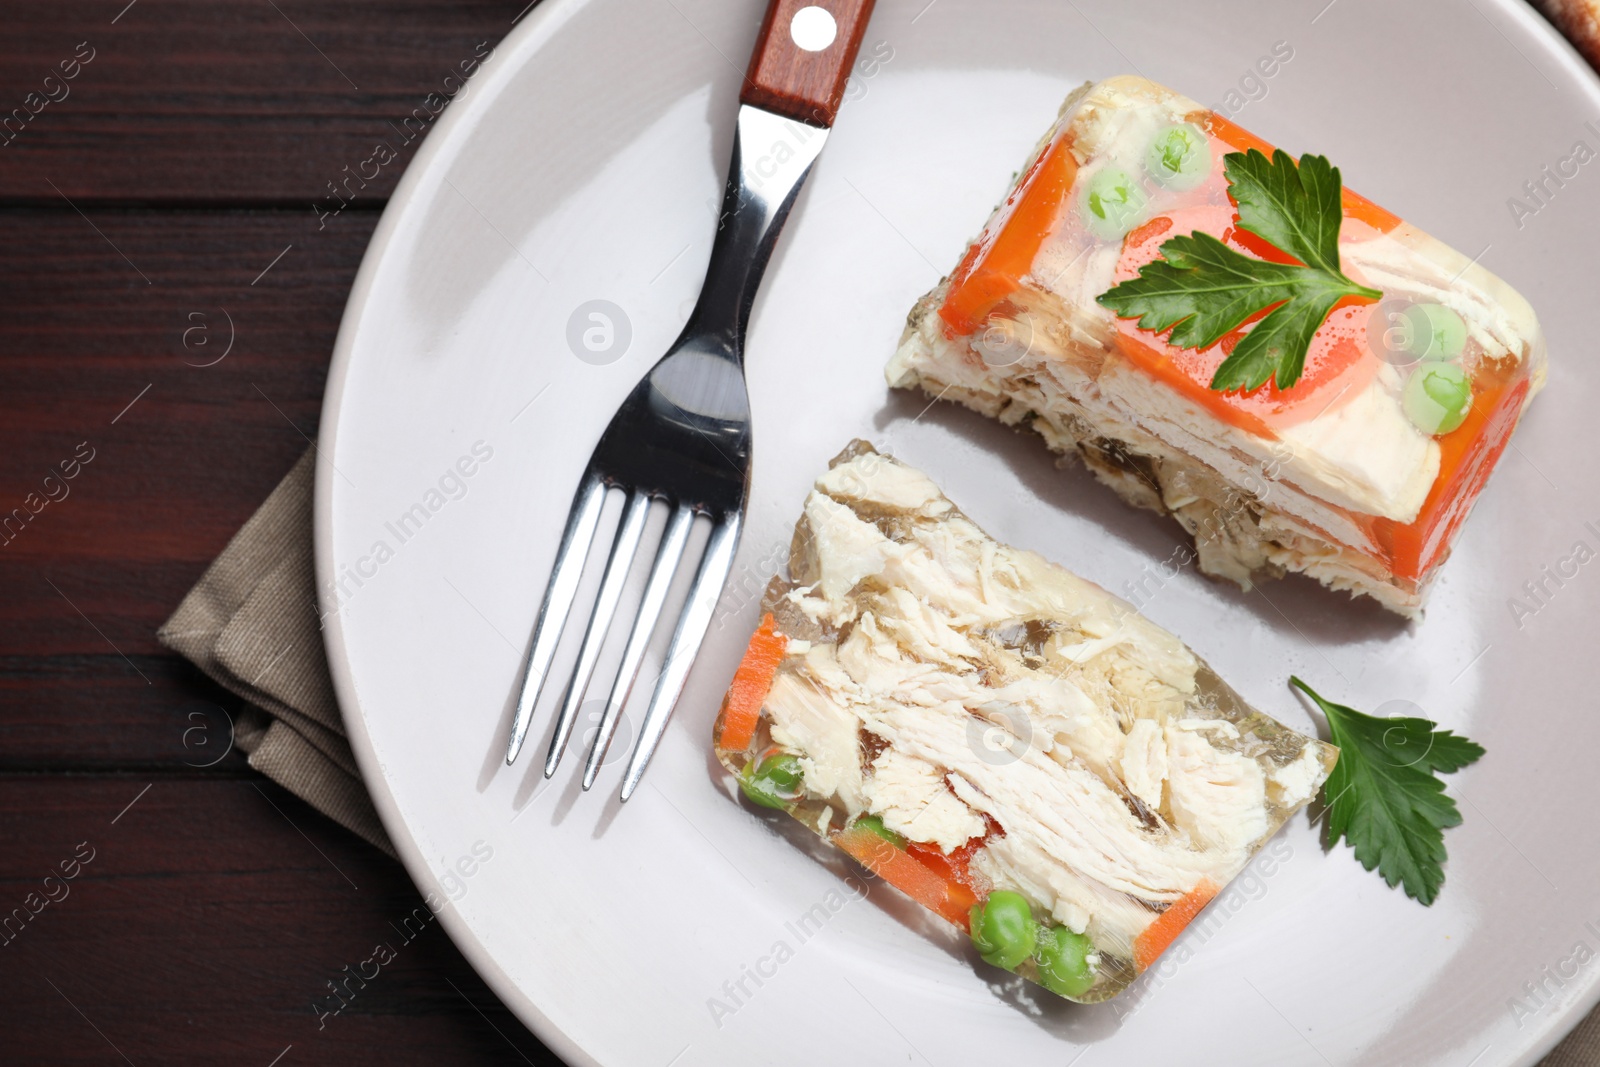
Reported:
(251, 624)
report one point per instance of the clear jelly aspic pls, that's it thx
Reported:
(1359, 474)
(1009, 745)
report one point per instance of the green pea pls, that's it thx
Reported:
(1437, 397)
(1436, 331)
(1063, 959)
(775, 782)
(1179, 157)
(875, 825)
(1113, 203)
(1003, 930)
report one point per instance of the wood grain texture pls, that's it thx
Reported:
(175, 474)
(205, 928)
(100, 713)
(806, 86)
(262, 101)
(158, 204)
(207, 923)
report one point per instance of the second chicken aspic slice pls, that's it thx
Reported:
(1012, 746)
(1139, 297)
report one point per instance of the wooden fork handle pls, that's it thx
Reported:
(803, 57)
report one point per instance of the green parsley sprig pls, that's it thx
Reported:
(1203, 289)
(1383, 796)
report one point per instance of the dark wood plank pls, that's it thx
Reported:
(91, 576)
(161, 208)
(207, 922)
(205, 929)
(172, 476)
(85, 713)
(234, 100)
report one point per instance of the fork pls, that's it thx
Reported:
(681, 439)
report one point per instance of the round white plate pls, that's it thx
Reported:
(584, 164)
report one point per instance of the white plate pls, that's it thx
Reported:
(584, 163)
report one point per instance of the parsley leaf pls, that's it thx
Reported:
(1383, 798)
(1203, 290)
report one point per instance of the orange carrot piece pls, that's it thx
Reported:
(1149, 946)
(1355, 205)
(998, 261)
(741, 708)
(937, 892)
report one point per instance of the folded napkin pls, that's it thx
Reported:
(251, 623)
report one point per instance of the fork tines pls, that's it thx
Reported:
(577, 541)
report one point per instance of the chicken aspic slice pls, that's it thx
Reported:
(1013, 747)
(1118, 301)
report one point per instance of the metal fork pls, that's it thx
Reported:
(681, 439)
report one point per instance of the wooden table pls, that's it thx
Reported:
(173, 183)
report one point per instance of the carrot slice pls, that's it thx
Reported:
(998, 261)
(937, 892)
(1467, 456)
(741, 708)
(1149, 946)
(1355, 205)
